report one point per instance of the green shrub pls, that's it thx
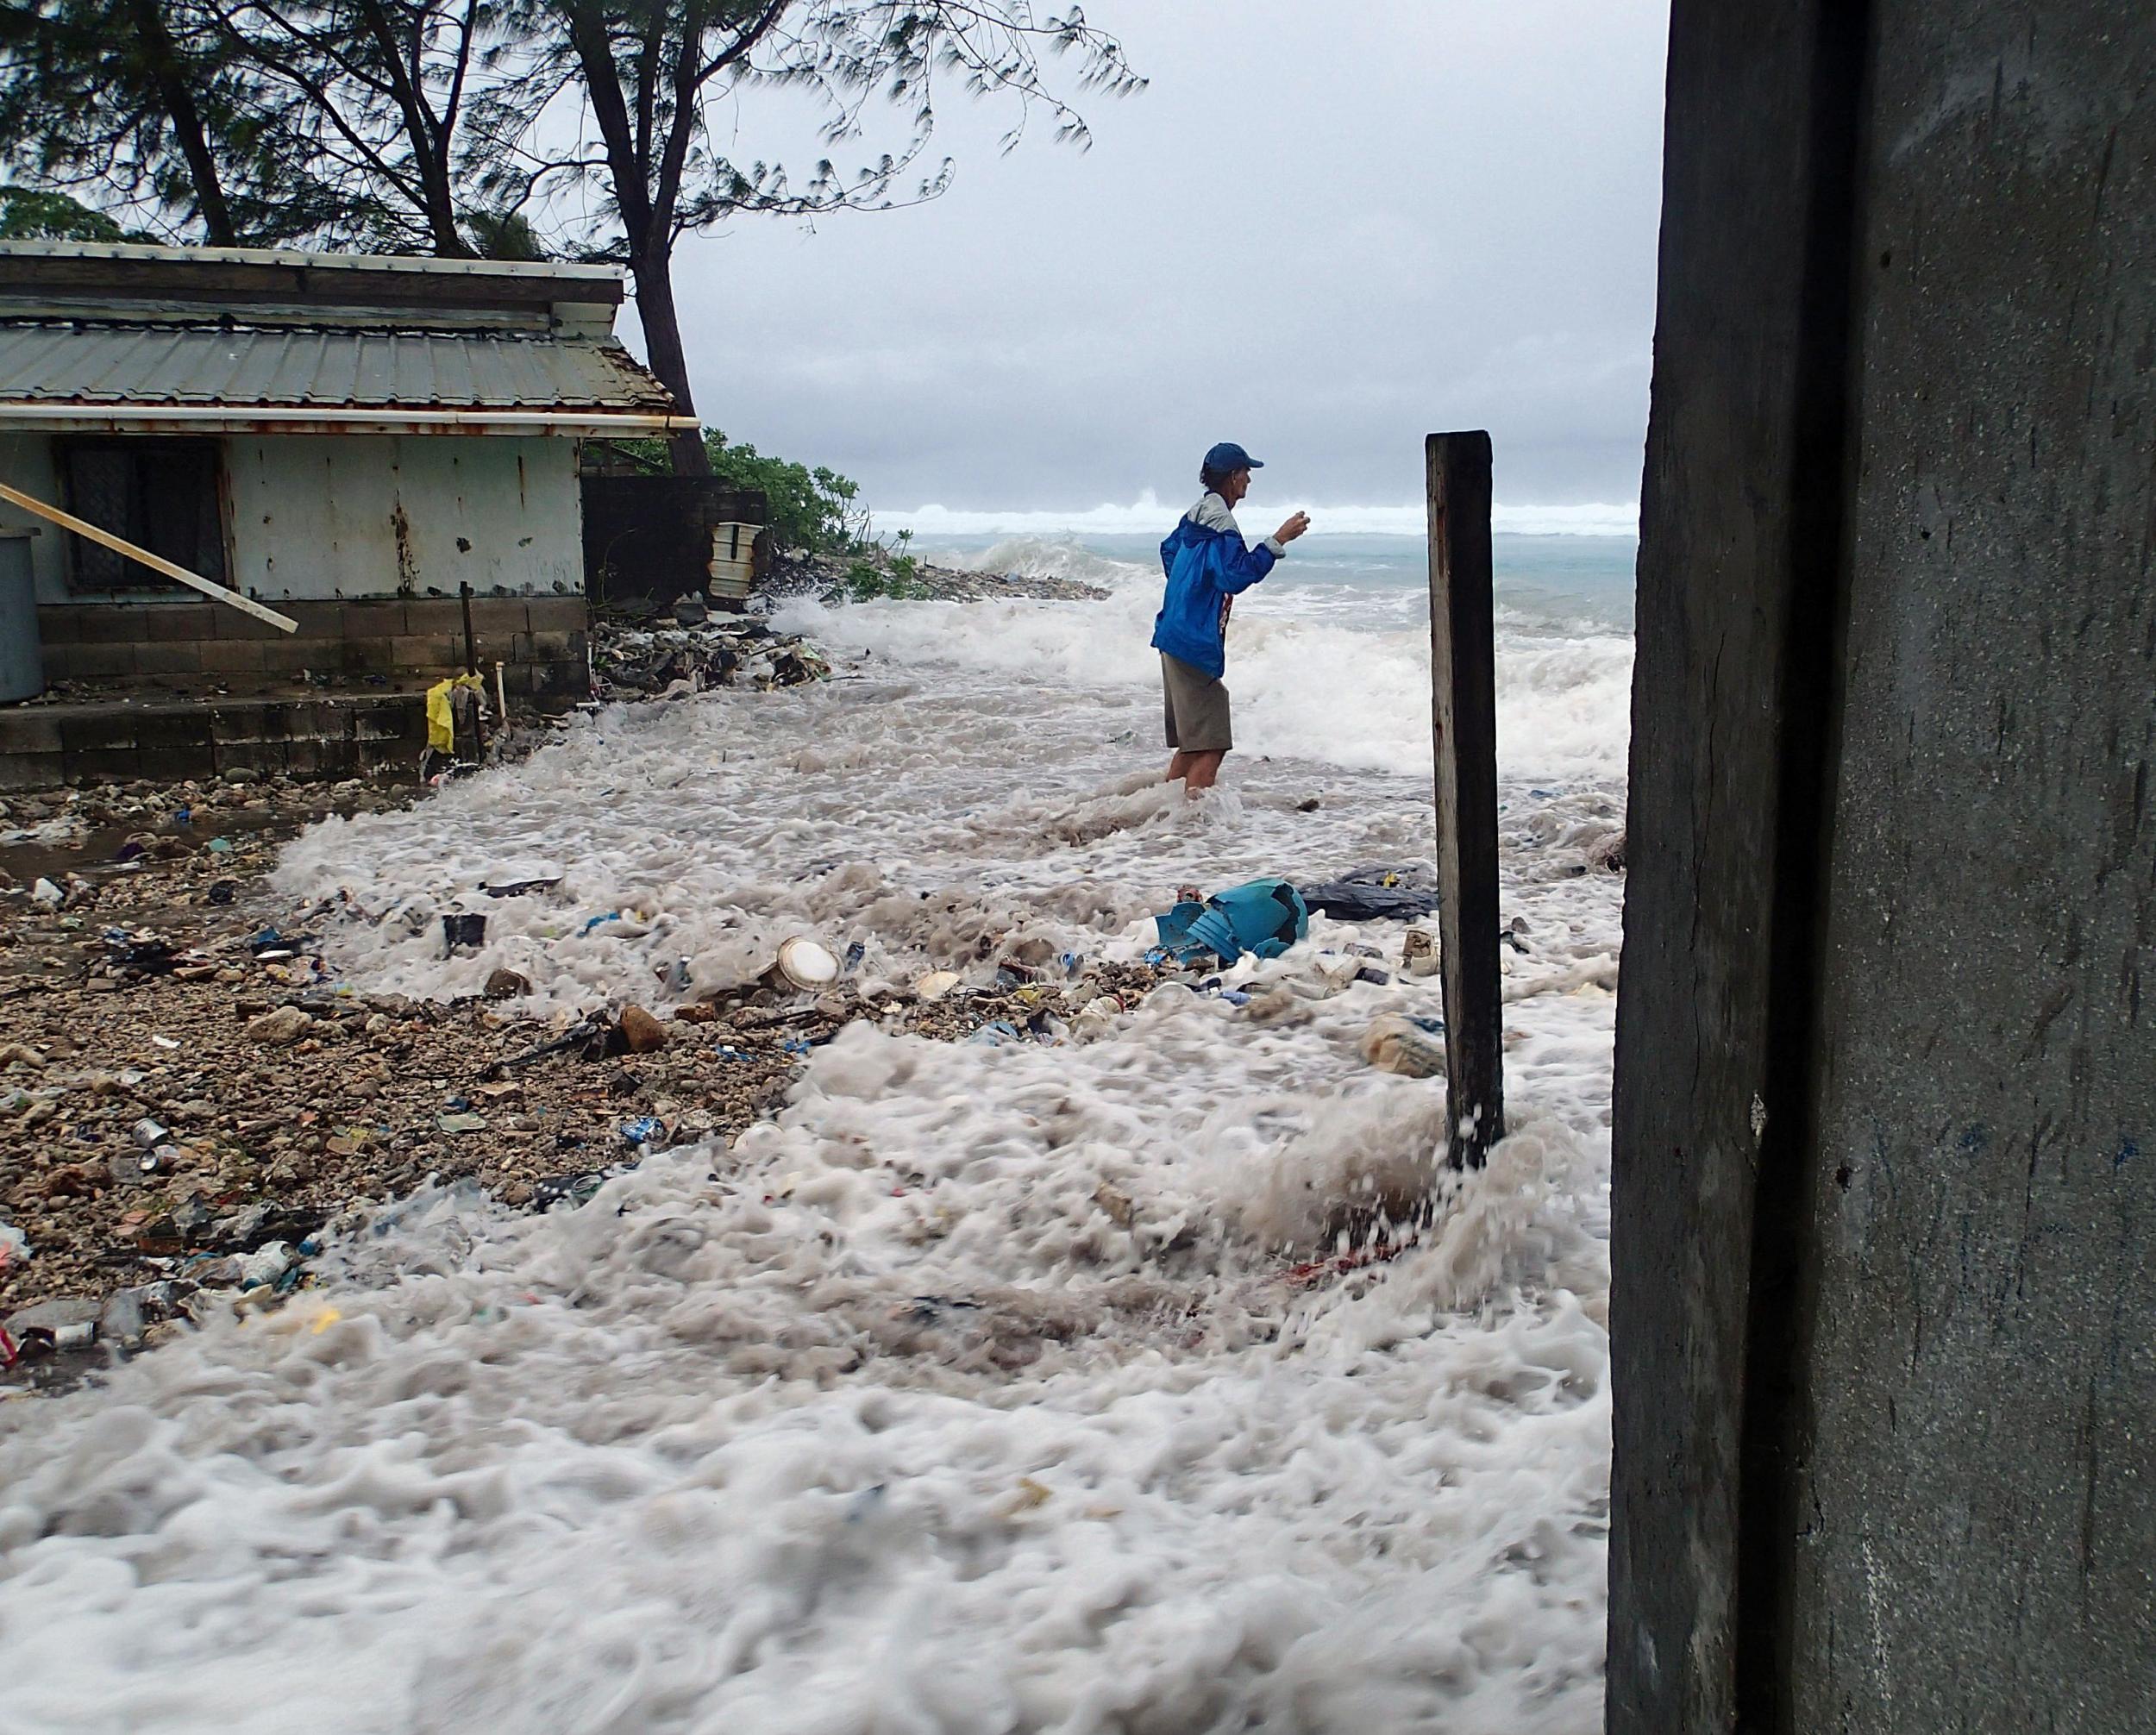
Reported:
(813, 511)
(865, 582)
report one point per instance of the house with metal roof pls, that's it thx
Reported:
(359, 452)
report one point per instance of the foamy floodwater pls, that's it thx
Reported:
(974, 1394)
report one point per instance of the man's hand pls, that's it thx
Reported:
(1294, 527)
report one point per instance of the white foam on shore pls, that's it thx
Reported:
(1305, 683)
(1147, 513)
(972, 1394)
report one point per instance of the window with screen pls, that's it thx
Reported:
(160, 494)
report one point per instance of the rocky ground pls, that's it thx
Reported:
(188, 1097)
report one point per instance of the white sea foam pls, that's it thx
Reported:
(1148, 513)
(1306, 683)
(974, 1394)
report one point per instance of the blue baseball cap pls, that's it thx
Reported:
(1227, 456)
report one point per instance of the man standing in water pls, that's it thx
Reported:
(1207, 564)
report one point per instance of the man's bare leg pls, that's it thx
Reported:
(1199, 775)
(1179, 766)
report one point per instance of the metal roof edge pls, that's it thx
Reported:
(415, 264)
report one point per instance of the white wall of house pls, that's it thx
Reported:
(325, 516)
(330, 515)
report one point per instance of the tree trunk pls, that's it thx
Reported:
(662, 345)
(163, 57)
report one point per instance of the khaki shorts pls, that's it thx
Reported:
(1197, 708)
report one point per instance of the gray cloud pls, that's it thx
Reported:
(1323, 231)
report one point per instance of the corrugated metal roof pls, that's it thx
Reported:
(570, 277)
(63, 362)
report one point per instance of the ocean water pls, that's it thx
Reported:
(984, 1389)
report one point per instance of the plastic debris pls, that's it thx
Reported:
(1264, 917)
(1412, 1048)
(1375, 894)
(644, 1130)
(266, 1264)
(66, 1322)
(522, 880)
(460, 1121)
(461, 930)
(805, 964)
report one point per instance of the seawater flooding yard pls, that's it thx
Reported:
(985, 1388)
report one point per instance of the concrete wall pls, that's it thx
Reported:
(363, 516)
(1886, 1255)
(544, 641)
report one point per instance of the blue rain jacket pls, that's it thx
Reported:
(1206, 563)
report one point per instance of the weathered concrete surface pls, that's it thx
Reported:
(1886, 1101)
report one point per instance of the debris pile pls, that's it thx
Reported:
(667, 659)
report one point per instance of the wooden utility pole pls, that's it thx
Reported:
(1463, 715)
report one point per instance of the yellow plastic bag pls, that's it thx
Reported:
(441, 734)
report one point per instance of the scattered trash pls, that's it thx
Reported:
(223, 891)
(643, 1130)
(166, 1042)
(674, 660)
(1263, 918)
(522, 880)
(995, 1034)
(506, 985)
(806, 965)
(66, 1322)
(567, 1189)
(1375, 894)
(1418, 955)
(45, 893)
(140, 952)
(266, 1264)
(461, 932)
(220, 846)
(935, 986)
(1117, 1203)
(1412, 1048)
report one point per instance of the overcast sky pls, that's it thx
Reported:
(1324, 230)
